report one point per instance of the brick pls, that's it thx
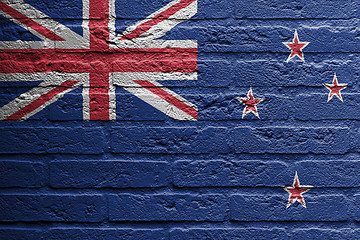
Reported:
(229, 173)
(131, 108)
(265, 72)
(169, 207)
(269, 39)
(128, 107)
(105, 233)
(316, 106)
(22, 174)
(357, 207)
(265, 207)
(355, 234)
(329, 173)
(210, 107)
(168, 140)
(98, 174)
(300, 9)
(228, 233)
(33, 62)
(52, 140)
(55, 208)
(227, 107)
(321, 233)
(20, 233)
(212, 73)
(68, 108)
(333, 140)
(213, 9)
(11, 32)
(137, 9)
(72, 9)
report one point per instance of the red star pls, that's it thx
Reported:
(296, 191)
(335, 89)
(250, 104)
(296, 47)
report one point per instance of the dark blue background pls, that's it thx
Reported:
(147, 176)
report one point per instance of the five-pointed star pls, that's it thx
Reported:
(296, 191)
(296, 47)
(335, 88)
(250, 104)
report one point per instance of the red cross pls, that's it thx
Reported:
(99, 60)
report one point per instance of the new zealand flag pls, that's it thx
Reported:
(179, 119)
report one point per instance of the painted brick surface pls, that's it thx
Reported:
(98, 174)
(267, 72)
(334, 208)
(224, 173)
(296, 9)
(254, 39)
(105, 233)
(169, 140)
(326, 110)
(330, 173)
(46, 140)
(137, 8)
(174, 207)
(57, 208)
(134, 119)
(250, 233)
(22, 174)
(287, 139)
(356, 203)
(83, 233)
(323, 234)
(18, 233)
(226, 107)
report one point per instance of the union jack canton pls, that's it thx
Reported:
(99, 60)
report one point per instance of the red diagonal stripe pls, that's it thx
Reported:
(30, 23)
(144, 27)
(168, 97)
(41, 100)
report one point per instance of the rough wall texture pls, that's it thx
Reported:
(150, 176)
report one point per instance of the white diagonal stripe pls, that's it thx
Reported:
(72, 39)
(166, 25)
(125, 80)
(50, 81)
(156, 31)
(159, 103)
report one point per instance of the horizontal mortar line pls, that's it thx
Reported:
(42, 18)
(47, 225)
(186, 154)
(220, 221)
(294, 221)
(218, 157)
(165, 190)
(214, 19)
(42, 222)
(270, 52)
(295, 19)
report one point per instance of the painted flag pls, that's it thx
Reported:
(179, 119)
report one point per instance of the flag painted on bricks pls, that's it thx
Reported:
(99, 59)
(179, 119)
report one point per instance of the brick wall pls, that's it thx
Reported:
(147, 176)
